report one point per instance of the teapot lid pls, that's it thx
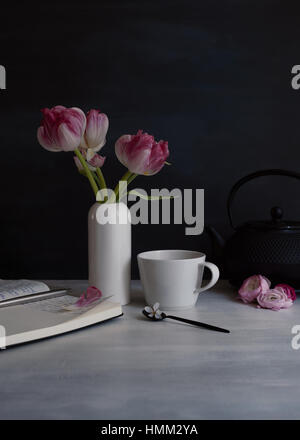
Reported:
(276, 222)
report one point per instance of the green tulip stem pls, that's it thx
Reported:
(125, 177)
(96, 178)
(87, 171)
(131, 178)
(101, 178)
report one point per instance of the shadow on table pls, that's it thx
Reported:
(137, 296)
(223, 288)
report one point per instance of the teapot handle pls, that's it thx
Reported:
(243, 180)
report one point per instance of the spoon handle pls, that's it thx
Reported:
(199, 324)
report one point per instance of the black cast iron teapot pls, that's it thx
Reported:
(270, 248)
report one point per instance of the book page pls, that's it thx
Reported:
(15, 288)
(37, 315)
(24, 318)
(63, 305)
(45, 314)
(57, 305)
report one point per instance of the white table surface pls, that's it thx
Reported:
(132, 368)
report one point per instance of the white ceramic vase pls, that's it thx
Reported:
(109, 232)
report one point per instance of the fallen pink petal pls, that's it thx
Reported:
(91, 295)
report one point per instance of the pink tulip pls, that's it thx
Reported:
(274, 299)
(95, 135)
(141, 154)
(289, 291)
(93, 140)
(96, 129)
(252, 287)
(61, 128)
(96, 161)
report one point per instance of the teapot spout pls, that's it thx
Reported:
(215, 236)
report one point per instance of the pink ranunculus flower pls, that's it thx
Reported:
(96, 161)
(274, 299)
(252, 287)
(141, 154)
(61, 128)
(95, 133)
(289, 291)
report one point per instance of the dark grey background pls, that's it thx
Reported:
(211, 77)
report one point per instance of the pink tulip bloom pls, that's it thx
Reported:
(95, 133)
(141, 154)
(274, 299)
(61, 128)
(96, 161)
(289, 291)
(252, 287)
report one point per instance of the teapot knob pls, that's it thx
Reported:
(276, 213)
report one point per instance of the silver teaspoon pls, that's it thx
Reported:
(155, 314)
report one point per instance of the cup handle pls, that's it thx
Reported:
(215, 276)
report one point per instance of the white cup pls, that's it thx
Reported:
(173, 278)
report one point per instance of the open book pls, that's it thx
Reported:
(48, 317)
